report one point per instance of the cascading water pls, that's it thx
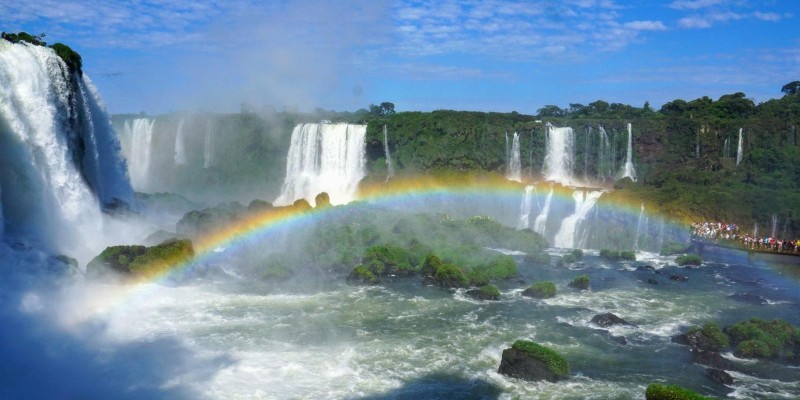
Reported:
(59, 157)
(180, 145)
(558, 163)
(726, 148)
(739, 148)
(514, 164)
(639, 225)
(389, 166)
(208, 147)
(140, 134)
(774, 226)
(525, 208)
(327, 158)
(603, 155)
(569, 234)
(540, 223)
(587, 142)
(627, 169)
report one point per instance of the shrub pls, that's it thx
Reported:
(627, 255)
(581, 282)
(566, 259)
(70, 57)
(394, 258)
(450, 275)
(657, 391)
(689, 259)
(577, 253)
(538, 258)
(362, 274)
(500, 267)
(541, 290)
(763, 339)
(673, 248)
(555, 362)
(712, 331)
(490, 291)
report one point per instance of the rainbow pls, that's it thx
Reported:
(399, 192)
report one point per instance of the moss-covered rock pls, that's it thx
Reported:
(259, 205)
(389, 260)
(439, 273)
(70, 57)
(541, 290)
(658, 391)
(566, 259)
(141, 261)
(322, 200)
(757, 338)
(499, 267)
(485, 292)
(581, 282)
(673, 248)
(614, 255)
(707, 338)
(532, 361)
(362, 275)
(577, 254)
(689, 259)
(538, 258)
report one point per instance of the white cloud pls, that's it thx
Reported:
(768, 16)
(694, 4)
(646, 25)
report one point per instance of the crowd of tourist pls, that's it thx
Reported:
(731, 234)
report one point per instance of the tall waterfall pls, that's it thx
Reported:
(389, 166)
(208, 146)
(726, 148)
(569, 234)
(525, 208)
(180, 144)
(604, 162)
(587, 143)
(327, 158)
(140, 134)
(540, 223)
(514, 164)
(59, 156)
(558, 163)
(774, 226)
(739, 148)
(627, 169)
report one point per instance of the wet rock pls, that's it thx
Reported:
(652, 281)
(710, 359)
(487, 292)
(678, 278)
(720, 376)
(533, 362)
(696, 340)
(618, 339)
(608, 319)
(750, 298)
(645, 268)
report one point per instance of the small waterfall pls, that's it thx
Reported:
(627, 170)
(540, 223)
(774, 226)
(640, 226)
(613, 157)
(784, 236)
(755, 229)
(140, 133)
(389, 166)
(558, 163)
(661, 236)
(513, 163)
(603, 155)
(180, 145)
(739, 148)
(327, 158)
(530, 157)
(525, 208)
(569, 234)
(726, 148)
(208, 147)
(588, 136)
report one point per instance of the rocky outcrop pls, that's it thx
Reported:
(140, 261)
(534, 362)
(486, 292)
(609, 319)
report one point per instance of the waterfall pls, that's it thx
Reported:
(140, 134)
(530, 157)
(540, 223)
(513, 163)
(774, 226)
(726, 148)
(324, 158)
(739, 148)
(525, 208)
(569, 234)
(755, 229)
(639, 226)
(59, 156)
(784, 236)
(389, 166)
(558, 163)
(588, 132)
(208, 147)
(603, 155)
(627, 170)
(180, 145)
(661, 235)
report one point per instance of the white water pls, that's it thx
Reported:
(540, 223)
(327, 158)
(208, 147)
(514, 164)
(627, 169)
(59, 156)
(389, 166)
(140, 133)
(640, 225)
(739, 148)
(525, 208)
(558, 163)
(568, 235)
(180, 145)
(603, 155)
(774, 226)
(726, 148)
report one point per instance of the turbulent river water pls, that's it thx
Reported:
(405, 340)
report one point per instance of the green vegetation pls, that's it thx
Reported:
(276, 270)
(390, 259)
(555, 362)
(581, 282)
(141, 261)
(712, 331)
(672, 248)
(615, 255)
(541, 290)
(362, 275)
(489, 292)
(657, 391)
(689, 259)
(757, 338)
(70, 57)
(37, 40)
(566, 259)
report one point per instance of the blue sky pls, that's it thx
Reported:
(169, 55)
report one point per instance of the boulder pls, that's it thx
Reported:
(678, 278)
(533, 362)
(710, 359)
(720, 376)
(486, 292)
(608, 319)
(696, 340)
(645, 268)
(580, 283)
(140, 261)
(652, 281)
(540, 290)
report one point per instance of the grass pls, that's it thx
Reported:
(555, 362)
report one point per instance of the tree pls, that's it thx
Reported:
(791, 88)
(387, 108)
(550, 111)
